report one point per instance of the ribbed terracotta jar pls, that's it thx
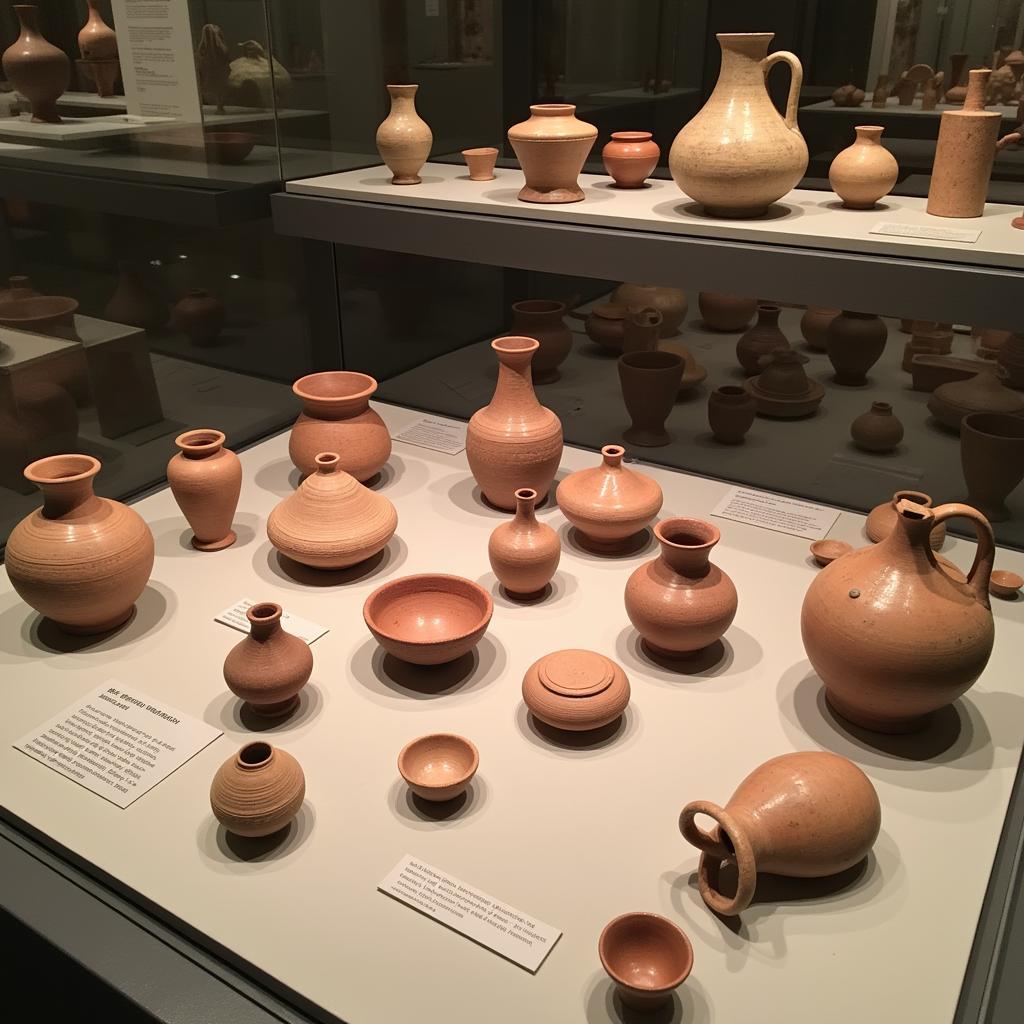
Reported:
(576, 690)
(763, 338)
(403, 137)
(336, 417)
(892, 635)
(681, 602)
(206, 480)
(630, 158)
(609, 504)
(722, 312)
(80, 560)
(877, 430)
(257, 791)
(269, 667)
(855, 342)
(814, 326)
(35, 67)
(514, 441)
(882, 518)
(731, 412)
(810, 814)
(542, 319)
(332, 521)
(864, 172)
(525, 552)
(551, 148)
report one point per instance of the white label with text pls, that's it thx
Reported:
(437, 435)
(294, 624)
(969, 236)
(776, 512)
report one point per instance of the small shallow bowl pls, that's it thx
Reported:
(646, 956)
(228, 147)
(430, 618)
(826, 551)
(1005, 584)
(438, 767)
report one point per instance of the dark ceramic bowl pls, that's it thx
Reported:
(228, 147)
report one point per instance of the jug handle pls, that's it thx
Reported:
(984, 555)
(714, 851)
(796, 80)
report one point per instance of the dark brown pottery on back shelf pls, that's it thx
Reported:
(877, 430)
(764, 337)
(992, 457)
(984, 392)
(731, 412)
(542, 319)
(650, 382)
(783, 390)
(855, 342)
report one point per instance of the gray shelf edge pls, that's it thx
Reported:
(905, 287)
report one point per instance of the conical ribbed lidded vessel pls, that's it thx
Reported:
(257, 791)
(331, 521)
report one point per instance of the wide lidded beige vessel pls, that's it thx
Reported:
(551, 148)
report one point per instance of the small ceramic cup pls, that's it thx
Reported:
(646, 956)
(826, 551)
(480, 162)
(439, 766)
(1005, 584)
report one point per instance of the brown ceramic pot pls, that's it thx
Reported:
(764, 337)
(80, 560)
(206, 479)
(332, 521)
(630, 158)
(928, 372)
(609, 504)
(336, 417)
(270, 666)
(810, 814)
(551, 148)
(650, 383)
(855, 342)
(52, 315)
(605, 325)
(641, 329)
(403, 137)
(18, 287)
(669, 302)
(814, 326)
(438, 767)
(990, 340)
(731, 412)
(134, 303)
(892, 635)
(480, 162)
(722, 312)
(35, 67)
(992, 457)
(257, 791)
(877, 430)
(524, 553)
(213, 67)
(882, 518)
(864, 172)
(513, 441)
(576, 690)
(200, 315)
(681, 602)
(1011, 359)
(96, 39)
(983, 392)
(693, 372)
(782, 390)
(228, 147)
(647, 957)
(542, 319)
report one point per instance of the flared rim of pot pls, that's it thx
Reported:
(656, 360)
(263, 613)
(412, 86)
(875, 129)
(1001, 425)
(515, 344)
(200, 440)
(62, 469)
(480, 151)
(631, 136)
(686, 534)
(553, 109)
(731, 391)
(918, 497)
(672, 933)
(334, 386)
(538, 306)
(254, 755)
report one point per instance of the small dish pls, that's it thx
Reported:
(1005, 584)
(646, 956)
(826, 551)
(438, 767)
(428, 619)
(228, 147)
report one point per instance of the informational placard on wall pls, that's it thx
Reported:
(117, 742)
(508, 932)
(154, 42)
(777, 512)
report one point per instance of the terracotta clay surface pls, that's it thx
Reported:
(1011, 360)
(609, 504)
(669, 302)
(723, 312)
(200, 315)
(438, 767)
(35, 67)
(206, 480)
(96, 39)
(992, 457)
(764, 337)
(336, 417)
(882, 518)
(428, 619)
(542, 320)
(650, 383)
(854, 343)
(738, 156)
(331, 521)
(80, 560)
(1005, 584)
(641, 329)
(804, 815)
(524, 553)
(270, 666)
(982, 392)
(731, 412)
(877, 430)
(827, 551)
(814, 326)
(630, 158)
(681, 602)
(782, 389)
(864, 172)
(646, 956)
(551, 148)
(605, 325)
(513, 441)
(403, 137)
(576, 690)
(257, 791)
(892, 636)
(480, 162)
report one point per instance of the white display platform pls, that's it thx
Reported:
(816, 220)
(572, 834)
(892, 106)
(78, 129)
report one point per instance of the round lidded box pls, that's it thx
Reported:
(576, 690)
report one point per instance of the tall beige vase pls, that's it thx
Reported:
(964, 154)
(738, 155)
(404, 138)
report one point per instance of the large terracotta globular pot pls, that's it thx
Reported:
(669, 302)
(722, 312)
(80, 560)
(403, 137)
(257, 791)
(892, 634)
(855, 342)
(206, 480)
(332, 521)
(551, 148)
(810, 814)
(514, 441)
(650, 384)
(864, 172)
(525, 552)
(681, 602)
(992, 457)
(738, 156)
(763, 338)
(336, 417)
(609, 504)
(36, 68)
(981, 392)
(542, 319)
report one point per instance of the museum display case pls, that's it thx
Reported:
(447, 444)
